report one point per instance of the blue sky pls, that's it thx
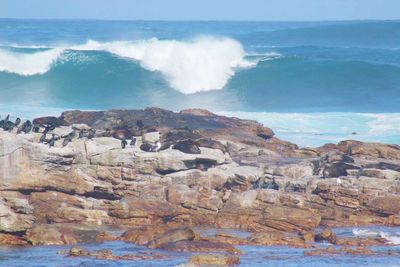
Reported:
(202, 9)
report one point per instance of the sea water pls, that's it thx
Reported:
(274, 256)
(312, 82)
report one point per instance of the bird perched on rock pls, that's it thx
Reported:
(81, 134)
(123, 143)
(91, 134)
(52, 140)
(17, 122)
(140, 124)
(133, 141)
(156, 147)
(338, 181)
(66, 141)
(35, 128)
(26, 127)
(9, 126)
(42, 138)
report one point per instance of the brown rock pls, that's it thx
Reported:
(389, 204)
(172, 236)
(374, 150)
(144, 235)
(200, 246)
(7, 239)
(45, 235)
(326, 236)
(76, 251)
(214, 260)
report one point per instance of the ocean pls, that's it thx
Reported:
(274, 256)
(311, 82)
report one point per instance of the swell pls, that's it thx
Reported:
(201, 64)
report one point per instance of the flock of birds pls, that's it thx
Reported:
(27, 126)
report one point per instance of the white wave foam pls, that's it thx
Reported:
(202, 64)
(28, 64)
(315, 129)
(392, 238)
(365, 233)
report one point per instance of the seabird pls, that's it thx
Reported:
(42, 138)
(67, 139)
(338, 181)
(9, 126)
(17, 122)
(52, 140)
(35, 128)
(91, 134)
(81, 134)
(133, 141)
(140, 124)
(123, 143)
(156, 147)
(28, 127)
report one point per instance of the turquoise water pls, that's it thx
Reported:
(314, 70)
(253, 255)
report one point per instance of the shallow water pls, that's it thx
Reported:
(253, 255)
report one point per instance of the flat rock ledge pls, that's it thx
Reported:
(189, 169)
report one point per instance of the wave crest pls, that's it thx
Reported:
(203, 64)
(28, 64)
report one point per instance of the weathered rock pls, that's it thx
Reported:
(214, 260)
(225, 172)
(326, 236)
(61, 234)
(12, 240)
(187, 146)
(172, 236)
(200, 246)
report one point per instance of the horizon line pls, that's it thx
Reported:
(199, 20)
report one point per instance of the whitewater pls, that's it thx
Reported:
(313, 83)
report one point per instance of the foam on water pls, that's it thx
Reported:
(391, 237)
(27, 64)
(315, 129)
(200, 64)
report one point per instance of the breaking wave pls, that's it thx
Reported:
(201, 64)
(28, 64)
(392, 238)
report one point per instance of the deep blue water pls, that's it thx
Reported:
(255, 69)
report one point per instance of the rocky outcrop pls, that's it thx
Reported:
(202, 170)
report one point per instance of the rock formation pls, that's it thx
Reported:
(207, 170)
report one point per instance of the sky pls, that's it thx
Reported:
(250, 10)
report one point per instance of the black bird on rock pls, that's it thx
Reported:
(35, 128)
(42, 138)
(133, 141)
(140, 124)
(52, 140)
(81, 134)
(91, 134)
(26, 127)
(66, 141)
(123, 143)
(17, 122)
